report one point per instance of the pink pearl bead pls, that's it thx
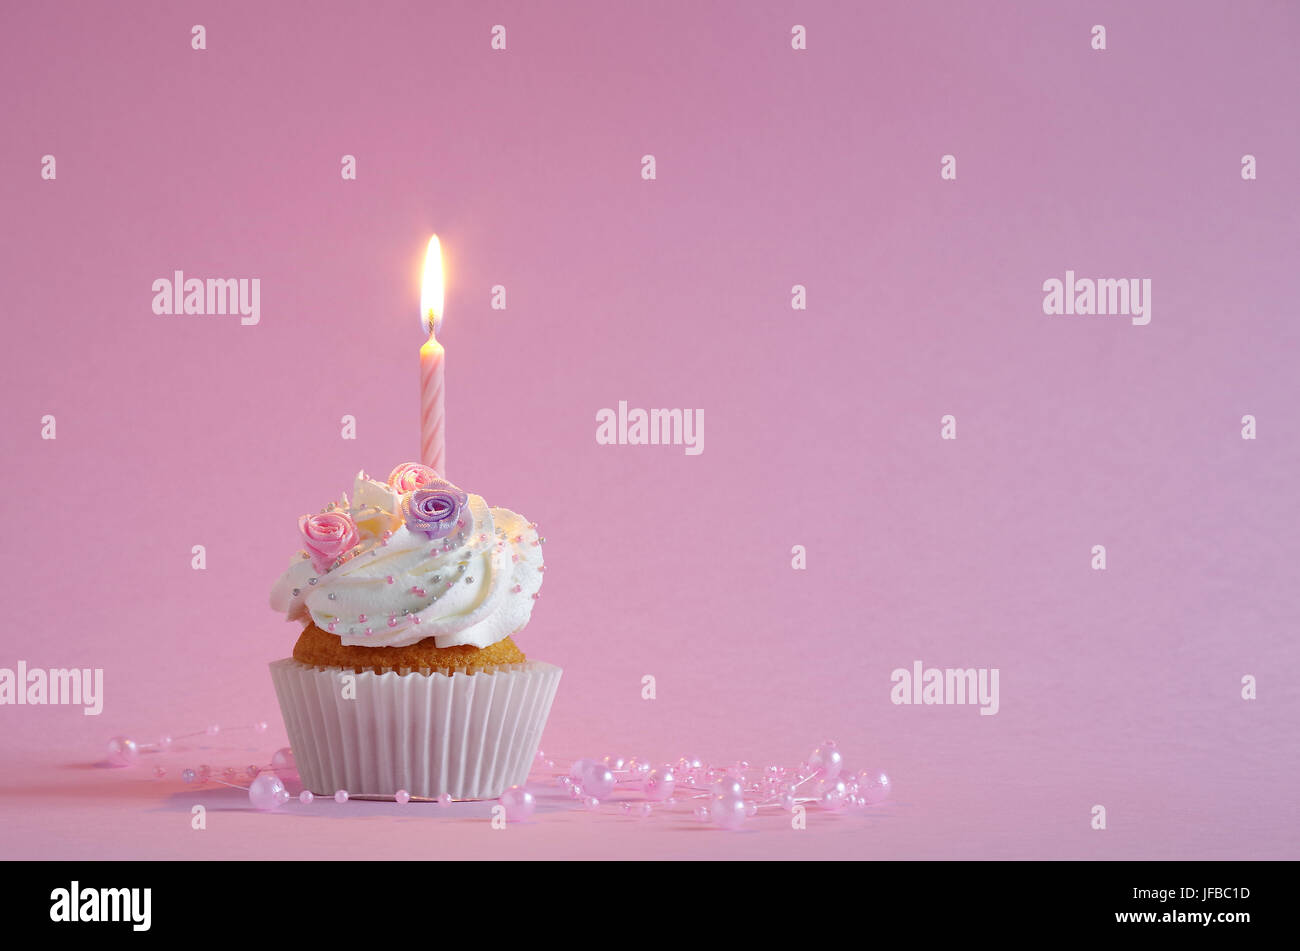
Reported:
(660, 783)
(518, 803)
(122, 751)
(258, 727)
(389, 579)
(402, 797)
(444, 800)
(701, 813)
(729, 786)
(305, 797)
(832, 794)
(283, 763)
(341, 796)
(253, 771)
(580, 767)
(267, 792)
(727, 812)
(591, 803)
(164, 742)
(599, 782)
(874, 786)
(827, 760)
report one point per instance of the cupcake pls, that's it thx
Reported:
(406, 675)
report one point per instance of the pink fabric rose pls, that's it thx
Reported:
(327, 537)
(409, 476)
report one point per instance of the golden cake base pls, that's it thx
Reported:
(322, 649)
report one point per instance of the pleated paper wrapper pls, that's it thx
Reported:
(472, 735)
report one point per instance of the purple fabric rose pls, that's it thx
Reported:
(433, 508)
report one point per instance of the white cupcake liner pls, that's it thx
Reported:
(472, 735)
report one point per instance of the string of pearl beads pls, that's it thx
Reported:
(724, 796)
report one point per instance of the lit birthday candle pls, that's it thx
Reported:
(433, 451)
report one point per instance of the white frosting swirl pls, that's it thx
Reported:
(476, 586)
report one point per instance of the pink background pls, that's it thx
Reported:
(775, 167)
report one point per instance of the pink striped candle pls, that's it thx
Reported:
(433, 450)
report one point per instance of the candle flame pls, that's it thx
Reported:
(431, 288)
